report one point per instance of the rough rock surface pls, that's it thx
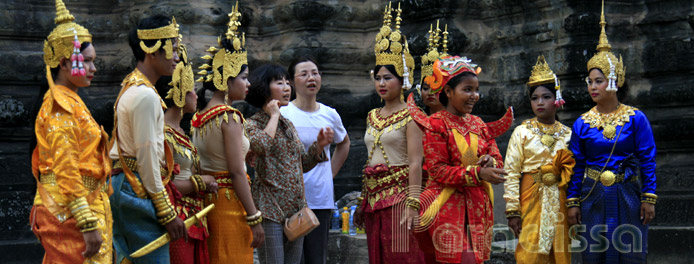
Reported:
(503, 36)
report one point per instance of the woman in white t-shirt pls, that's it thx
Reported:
(309, 117)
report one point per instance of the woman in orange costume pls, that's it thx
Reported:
(219, 134)
(539, 167)
(462, 160)
(187, 187)
(71, 216)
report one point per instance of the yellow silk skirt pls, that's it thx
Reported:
(63, 242)
(230, 236)
(531, 204)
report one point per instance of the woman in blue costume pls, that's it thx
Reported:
(611, 142)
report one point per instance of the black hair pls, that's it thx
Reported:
(42, 91)
(162, 86)
(306, 58)
(453, 82)
(260, 80)
(390, 68)
(549, 86)
(622, 92)
(152, 22)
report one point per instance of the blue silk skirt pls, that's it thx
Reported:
(135, 224)
(611, 214)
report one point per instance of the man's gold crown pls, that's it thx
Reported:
(231, 61)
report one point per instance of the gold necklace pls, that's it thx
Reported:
(547, 132)
(609, 130)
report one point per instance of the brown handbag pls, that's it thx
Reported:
(300, 223)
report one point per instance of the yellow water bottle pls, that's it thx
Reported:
(345, 220)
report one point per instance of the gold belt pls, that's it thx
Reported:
(547, 179)
(90, 183)
(132, 165)
(607, 177)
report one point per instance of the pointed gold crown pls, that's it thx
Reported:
(433, 54)
(541, 73)
(59, 44)
(165, 33)
(183, 79)
(231, 61)
(391, 46)
(605, 60)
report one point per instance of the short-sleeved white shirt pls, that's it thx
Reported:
(318, 181)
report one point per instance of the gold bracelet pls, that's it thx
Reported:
(255, 216)
(649, 198)
(85, 218)
(573, 202)
(255, 222)
(413, 203)
(163, 206)
(510, 214)
(198, 183)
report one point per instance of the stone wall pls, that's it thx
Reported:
(503, 36)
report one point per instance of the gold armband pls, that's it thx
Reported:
(198, 183)
(511, 214)
(163, 206)
(86, 220)
(649, 198)
(413, 203)
(573, 202)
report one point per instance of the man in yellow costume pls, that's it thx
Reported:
(142, 210)
(71, 215)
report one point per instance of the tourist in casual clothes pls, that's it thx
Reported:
(142, 209)
(71, 215)
(279, 159)
(463, 161)
(309, 117)
(392, 176)
(219, 134)
(539, 167)
(610, 143)
(189, 187)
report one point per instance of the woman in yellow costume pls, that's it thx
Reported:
(71, 216)
(539, 167)
(219, 134)
(187, 186)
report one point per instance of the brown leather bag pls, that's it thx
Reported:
(300, 223)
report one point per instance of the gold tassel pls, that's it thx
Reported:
(228, 195)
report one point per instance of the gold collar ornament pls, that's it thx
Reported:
(64, 42)
(391, 47)
(605, 60)
(433, 54)
(166, 33)
(231, 61)
(182, 80)
(543, 74)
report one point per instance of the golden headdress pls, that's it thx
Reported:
(65, 41)
(182, 80)
(231, 61)
(542, 74)
(605, 60)
(162, 33)
(391, 47)
(433, 54)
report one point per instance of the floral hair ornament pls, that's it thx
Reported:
(446, 68)
(543, 74)
(606, 61)
(166, 33)
(64, 42)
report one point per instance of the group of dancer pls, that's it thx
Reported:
(426, 193)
